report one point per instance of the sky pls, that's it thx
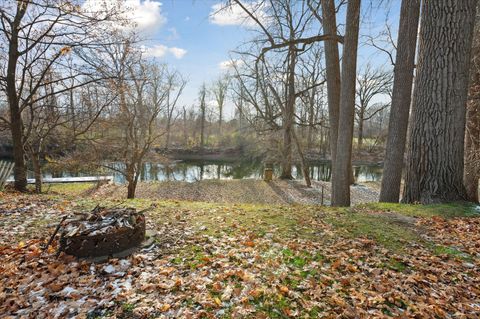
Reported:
(188, 37)
(195, 39)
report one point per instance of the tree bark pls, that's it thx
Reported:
(332, 61)
(343, 161)
(434, 171)
(16, 122)
(305, 169)
(401, 100)
(131, 181)
(131, 190)
(471, 173)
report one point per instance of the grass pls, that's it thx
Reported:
(368, 221)
(380, 228)
(450, 251)
(450, 210)
(65, 189)
(391, 225)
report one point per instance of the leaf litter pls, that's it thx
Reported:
(229, 269)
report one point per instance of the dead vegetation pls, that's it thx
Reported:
(247, 260)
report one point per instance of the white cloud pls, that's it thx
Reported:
(144, 15)
(177, 52)
(235, 15)
(160, 50)
(229, 64)
(157, 51)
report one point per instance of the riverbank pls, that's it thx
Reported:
(235, 154)
(239, 191)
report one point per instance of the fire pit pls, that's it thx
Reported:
(103, 232)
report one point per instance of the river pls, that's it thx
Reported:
(191, 171)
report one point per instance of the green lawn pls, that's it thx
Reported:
(252, 260)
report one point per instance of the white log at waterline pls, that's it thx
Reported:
(83, 179)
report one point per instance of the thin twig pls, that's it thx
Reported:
(54, 233)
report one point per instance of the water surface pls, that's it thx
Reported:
(191, 171)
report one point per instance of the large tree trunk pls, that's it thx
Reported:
(20, 169)
(401, 99)
(287, 152)
(471, 173)
(16, 123)
(343, 162)
(434, 171)
(332, 61)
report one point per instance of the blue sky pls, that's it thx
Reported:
(207, 44)
(184, 34)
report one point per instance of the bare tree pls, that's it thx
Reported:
(332, 62)
(239, 100)
(219, 90)
(342, 169)
(374, 85)
(434, 171)
(133, 128)
(287, 32)
(176, 84)
(401, 98)
(38, 37)
(311, 77)
(130, 127)
(202, 95)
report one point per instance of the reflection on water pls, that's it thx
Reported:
(191, 171)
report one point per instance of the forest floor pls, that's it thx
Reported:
(219, 260)
(241, 191)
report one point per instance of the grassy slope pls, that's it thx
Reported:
(392, 225)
